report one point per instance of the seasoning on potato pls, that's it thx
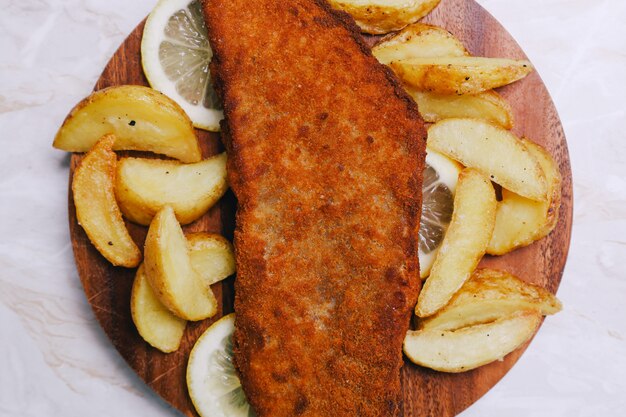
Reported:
(384, 16)
(141, 118)
(144, 186)
(464, 244)
(96, 209)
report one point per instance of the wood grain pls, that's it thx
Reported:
(425, 392)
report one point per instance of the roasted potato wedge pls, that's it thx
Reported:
(418, 41)
(96, 209)
(487, 105)
(492, 150)
(424, 41)
(490, 295)
(141, 118)
(384, 16)
(520, 221)
(553, 180)
(460, 75)
(170, 273)
(155, 323)
(212, 256)
(144, 186)
(468, 348)
(464, 244)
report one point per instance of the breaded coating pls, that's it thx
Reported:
(326, 153)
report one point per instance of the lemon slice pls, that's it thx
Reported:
(175, 56)
(212, 381)
(440, 177)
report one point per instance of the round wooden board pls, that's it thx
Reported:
(425, 392)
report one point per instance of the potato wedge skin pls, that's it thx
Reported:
(492, 150)
(464, 244)
(418, 40)
(423, 41)
(144, 186)
(490, 295)
(521, 221)
(384, 16)
(553, 179)
(141, 118)
(487, 105)
(170, 273)
(154, 322)
(470, 347)
(212, 256)
(460, 75)
(96, 208)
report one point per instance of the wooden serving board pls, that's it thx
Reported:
(425, 392)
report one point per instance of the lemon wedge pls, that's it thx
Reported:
(175, 55)
(440, 177)
(212, 381)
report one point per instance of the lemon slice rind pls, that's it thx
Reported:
(448, 172)
(153, 35)
(212, 381)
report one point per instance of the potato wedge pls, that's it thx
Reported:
(212, 256)
(141, 118)
(520, 221)
(464, 244)
(144, 186)
(96, 209)
(470, 347)
(384, 16)
(490, 295)
(492, 150)
(170, 273)
(418, 40)
(422, 41)
(155, 323)
(553, 180)
(487, 105)
(460, 75)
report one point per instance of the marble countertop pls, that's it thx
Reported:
(54, 358)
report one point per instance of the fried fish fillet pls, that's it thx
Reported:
(325, 157)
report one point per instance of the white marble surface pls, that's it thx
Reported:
(56, 361)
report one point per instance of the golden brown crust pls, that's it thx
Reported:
(325, 156)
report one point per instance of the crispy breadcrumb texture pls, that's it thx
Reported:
(326, 153)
